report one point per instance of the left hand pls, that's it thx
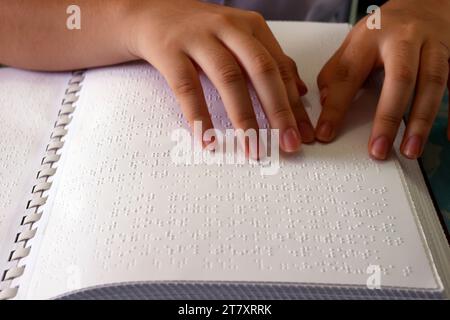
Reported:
(413, 46)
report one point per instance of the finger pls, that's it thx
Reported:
(183, 79)
(225, 73)
(295, 91)
(264, 74)
(432, 81)
(295, 87)
(260, 29)
(339, 82)
(327, 73)
(401, 64)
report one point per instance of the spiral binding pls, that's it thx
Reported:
(27, 229)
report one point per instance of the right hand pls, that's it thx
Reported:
(229, 45)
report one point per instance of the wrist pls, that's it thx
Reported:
(132, 24)
(123, 21)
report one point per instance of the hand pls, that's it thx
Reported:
(229, 45)
(413, 46)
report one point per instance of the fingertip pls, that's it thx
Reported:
(410, 156)
(291, 141)
(325, 132)
(412, 147)
(203, 131)
(379, 148)
(307, 133)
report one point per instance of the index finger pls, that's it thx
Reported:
(295, 87)
(264, 74)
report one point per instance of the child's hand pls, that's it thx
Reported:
(413, 46)
(179, 37)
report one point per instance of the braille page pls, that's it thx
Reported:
(29, 103)
(123, 211)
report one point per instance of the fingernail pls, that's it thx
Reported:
(380, 148)
(323, 95)
(413, 147)
(325, 132)
(291, 140)
(306, 132)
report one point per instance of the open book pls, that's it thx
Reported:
(92, 206)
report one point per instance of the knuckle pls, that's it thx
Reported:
(360, 29)
(222, 19)
(184, 86)
(409, 32)
(256, 17)
(286, 71)
(423, 119)
(404, 47)
(281, 114)
(435, 77)
(230, 73)
(263, 64)
(343, 73)
(171, 43)
(292, 64)
(389, 120)
(404, 74)
(436, 70)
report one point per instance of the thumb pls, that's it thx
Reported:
(326, 74)
(338, 82)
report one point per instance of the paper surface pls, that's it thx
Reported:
(122, 211)
(29, 103)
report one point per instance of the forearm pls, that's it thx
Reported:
(34, 35)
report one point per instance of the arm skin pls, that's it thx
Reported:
(177, 37)
(34, 35)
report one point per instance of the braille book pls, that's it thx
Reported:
(92, 205)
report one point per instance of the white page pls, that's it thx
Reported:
(29, 103)
(121, 211)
